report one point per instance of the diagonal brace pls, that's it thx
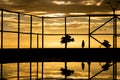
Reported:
(98, 73)
(96, 39)
(101, 25)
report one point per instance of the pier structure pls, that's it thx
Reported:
(37, 47)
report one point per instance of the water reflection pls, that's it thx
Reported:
(52, 71)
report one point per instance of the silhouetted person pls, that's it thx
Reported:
(83, 66)
(83, 44)
(106, 44)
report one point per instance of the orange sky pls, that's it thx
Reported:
(58, 8)
(74, 25)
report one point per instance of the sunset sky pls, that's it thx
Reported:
(58, 8)
(55, 26)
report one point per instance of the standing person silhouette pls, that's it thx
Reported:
(83, 43)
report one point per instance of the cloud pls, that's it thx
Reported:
(62, 2)
(57, 6)
(91, 2)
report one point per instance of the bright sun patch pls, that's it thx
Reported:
(62, 2)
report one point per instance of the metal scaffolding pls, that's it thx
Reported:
(90, 34)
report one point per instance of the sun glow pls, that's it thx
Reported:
(55, 15)
(77, 13)
(62, 2)
(91, 2)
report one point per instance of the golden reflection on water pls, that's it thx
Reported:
(52, 70)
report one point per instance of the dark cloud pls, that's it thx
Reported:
(66, 6)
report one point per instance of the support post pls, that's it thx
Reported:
(42, 46)
(115, 31)
(18, 43)
(37, 61)
(65, 48)
(1, 40)
(114, 70)
(89, 47)
(114, 43)
(30, 45)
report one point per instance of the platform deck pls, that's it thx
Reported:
(59, 55)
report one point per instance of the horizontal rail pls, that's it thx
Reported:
(57, 34)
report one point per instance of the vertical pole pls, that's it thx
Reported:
(115, 46)
(1, 29)
(114, 30)
(37, 48)
(37, 69)
(89, 32)
(42, 70)
(114, 70)
(30, 70)
(65, 48)
(18, 42)
(114, 42)
(1, 38)
(115, 24)
(30, 45)
(114, 38)
(18, 30)
(31, 31)
(1, 70)
(89, 47)
(37, 41)
(42, 46)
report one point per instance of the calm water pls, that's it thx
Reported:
(52, 71)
